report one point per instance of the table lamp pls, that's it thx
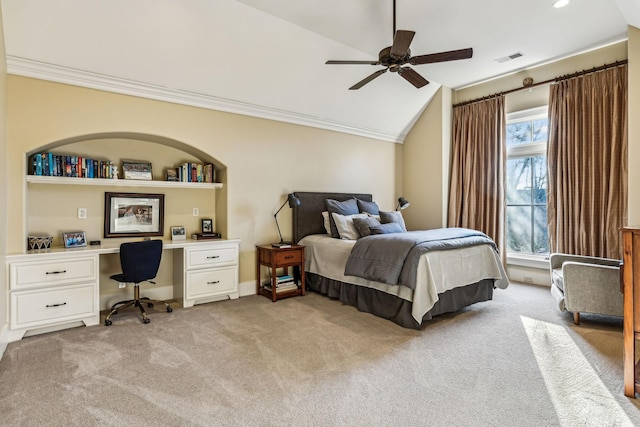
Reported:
(402, 203)
(293, 202)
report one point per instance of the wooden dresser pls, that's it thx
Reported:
(631, 325)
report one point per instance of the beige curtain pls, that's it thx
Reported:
(476, 196)
(587, 163)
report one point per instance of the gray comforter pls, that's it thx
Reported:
(393, 258)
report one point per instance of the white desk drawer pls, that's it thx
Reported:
(203, 283)
(53, 272)
(39, 307)
(211, 257)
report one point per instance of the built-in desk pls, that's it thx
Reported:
(56, 287)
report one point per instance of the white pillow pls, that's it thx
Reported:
(327, 225)
(344, 223)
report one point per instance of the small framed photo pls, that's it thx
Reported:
(207, 225)
(178, 233)
(74, 239)
(137, 169)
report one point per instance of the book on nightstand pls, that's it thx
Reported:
(281, 245)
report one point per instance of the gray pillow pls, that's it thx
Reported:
(363, 224)
(348, 207)
(388, 228)
(393, 216)
(368, 207)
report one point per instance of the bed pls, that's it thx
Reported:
(445, 280)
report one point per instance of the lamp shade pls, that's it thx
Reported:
(403, 203)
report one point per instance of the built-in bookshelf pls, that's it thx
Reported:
(63, 180)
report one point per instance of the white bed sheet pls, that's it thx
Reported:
(438, 271)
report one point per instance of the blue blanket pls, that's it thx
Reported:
(393, 258)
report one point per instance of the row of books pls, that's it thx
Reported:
(192, 172)
(49, 164)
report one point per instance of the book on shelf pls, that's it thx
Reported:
(279, 289)
(284, 278)
(204, 236)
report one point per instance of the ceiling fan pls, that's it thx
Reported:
(394, 58)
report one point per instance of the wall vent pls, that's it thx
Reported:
(509, 57)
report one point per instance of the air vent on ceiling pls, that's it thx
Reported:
(509, 57)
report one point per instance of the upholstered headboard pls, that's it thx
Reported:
(307, 218)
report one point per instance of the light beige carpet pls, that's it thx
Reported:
(311, 361)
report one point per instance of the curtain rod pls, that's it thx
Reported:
(555, 79)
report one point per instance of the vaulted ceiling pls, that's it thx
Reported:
(266, 58)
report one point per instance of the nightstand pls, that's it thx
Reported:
(283, 258)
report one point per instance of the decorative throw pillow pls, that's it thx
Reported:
(348, 207)
(327, 225)
(368, 207)
(393, 216)
(346, 228)
(363, 224)
(390, 227)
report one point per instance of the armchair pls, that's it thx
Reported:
(586, 284)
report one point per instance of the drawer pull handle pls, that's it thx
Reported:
(56, 272)
(288, 257)
(56, 305)
(214, 282)
(213, 256)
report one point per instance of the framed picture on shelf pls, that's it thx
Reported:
(178, 233)
(133, 215)
(74, 239)
(137, 169)
(207, 225)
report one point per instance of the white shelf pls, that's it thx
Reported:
(36, 179)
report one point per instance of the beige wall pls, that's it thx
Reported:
(425, 170)
(264, 160)
(4, 200)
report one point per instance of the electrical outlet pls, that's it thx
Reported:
(196, 212)
(82, 213)
(527, 279)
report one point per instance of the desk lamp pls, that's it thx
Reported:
(402, 203)
(293, 202)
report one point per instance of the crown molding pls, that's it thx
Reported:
(56, 73)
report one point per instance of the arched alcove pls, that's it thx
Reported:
(51, 208)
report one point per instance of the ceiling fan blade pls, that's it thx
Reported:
(401, 41)
(368, 79)
(451, 55)
(354, 62)
(410, 75)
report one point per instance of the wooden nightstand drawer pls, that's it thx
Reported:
(55, 272)
(288, 257)
(203, 283)
(211, 257)
(42, 307)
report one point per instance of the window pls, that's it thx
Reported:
(526, 182)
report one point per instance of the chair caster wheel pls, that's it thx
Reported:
(169, 309)
(146, 320)
(149, 304)
(107, 322)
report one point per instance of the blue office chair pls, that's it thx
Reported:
(140, 262)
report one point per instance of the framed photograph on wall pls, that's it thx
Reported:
(74, 239)
(178, 233)
(207, 225)
(133, 215)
